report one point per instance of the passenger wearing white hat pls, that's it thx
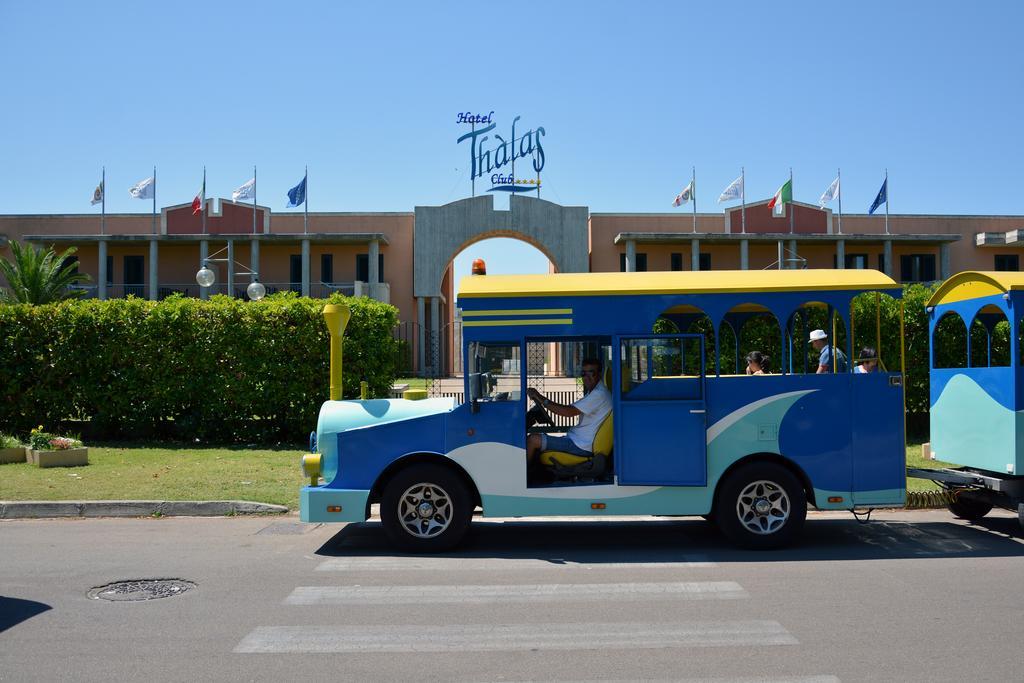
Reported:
(819, 340)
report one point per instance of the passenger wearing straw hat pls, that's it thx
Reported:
(819, 340)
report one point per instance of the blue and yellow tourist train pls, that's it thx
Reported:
(687, 434)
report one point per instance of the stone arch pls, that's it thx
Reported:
(441, 232)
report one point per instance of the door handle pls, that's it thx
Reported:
(700, 411)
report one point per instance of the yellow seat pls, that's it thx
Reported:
(603, 441)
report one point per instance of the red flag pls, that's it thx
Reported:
(200, 200)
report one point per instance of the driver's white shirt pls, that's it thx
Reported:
(593, 408)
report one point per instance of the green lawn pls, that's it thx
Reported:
(265, 476)
(414, 382)
(914, 459)
(183, 473)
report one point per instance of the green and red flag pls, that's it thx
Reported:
(783, 196)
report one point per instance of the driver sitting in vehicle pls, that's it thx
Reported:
(591, 409)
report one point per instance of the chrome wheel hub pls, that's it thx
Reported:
(763, 507)
(425, 510)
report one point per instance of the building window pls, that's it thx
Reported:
(110, 271)
(295, 272)
(327, 268)
(641, 263)
(70, 261)
(677, 261)
(363, 267)
(134, 275)
(704, 261)
(917, 268)
(1008, 262)
(853, 261)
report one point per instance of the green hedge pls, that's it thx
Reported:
(220, 370)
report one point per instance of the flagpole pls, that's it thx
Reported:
(886, 201)
(693, 196)
(743, 199)
(305, 202)
(254, 199)
(154, 200)
(202, 208)
(839, 176)
(103, 202)
(791, 208)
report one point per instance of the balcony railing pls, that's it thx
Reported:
(317, 290)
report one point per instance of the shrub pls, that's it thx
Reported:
(8, 441)
(44, 441)
(218, 370)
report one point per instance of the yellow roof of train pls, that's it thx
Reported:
(673, 282)
(973, 284)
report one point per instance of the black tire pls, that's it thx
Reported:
(969, 508)
(761, 506)
(426, 508)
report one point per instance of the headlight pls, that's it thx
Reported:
(311, 467)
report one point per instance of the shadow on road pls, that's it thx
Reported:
(13, 611)
(675, 540)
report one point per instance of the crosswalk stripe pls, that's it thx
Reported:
(481, 637)
(446, 564)
(404, 595)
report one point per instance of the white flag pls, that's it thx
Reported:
(245, 191)
(684, 196)
(144, 189)
(831, 193)
(734, 191)
(97, 195)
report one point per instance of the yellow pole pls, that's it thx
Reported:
(336, 316)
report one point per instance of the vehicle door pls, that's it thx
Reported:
(659, 403)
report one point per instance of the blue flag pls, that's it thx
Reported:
(297, 195)
(883, 196)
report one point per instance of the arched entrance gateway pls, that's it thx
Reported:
(443, 231)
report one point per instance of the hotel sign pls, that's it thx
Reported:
(493, 156)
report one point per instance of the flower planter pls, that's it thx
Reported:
(18, 454)
(70, 457)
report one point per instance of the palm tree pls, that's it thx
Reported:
(39, 276)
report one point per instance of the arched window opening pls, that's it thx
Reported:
(747, 328)
(687, 319)
(990, 338)
(875, 328)
(804, 357)
(949, 342)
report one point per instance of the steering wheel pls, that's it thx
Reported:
(538, 415)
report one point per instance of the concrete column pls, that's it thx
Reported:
(231, 268)
(421, 319)
(841, 254)
(744, 254)
(782, 255)
(944, 261)
(204, 251)
(694, 254)
(305, 267)
(630, 256)
(254, 258)
(792, 254)
(887, 257)
(101, 286)
(373, 271)
(154, 255)
(435, 334)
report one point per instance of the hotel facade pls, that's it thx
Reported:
(405, 258)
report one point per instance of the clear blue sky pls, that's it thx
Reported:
(631, 95)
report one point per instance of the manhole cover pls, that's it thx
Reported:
(141, 589)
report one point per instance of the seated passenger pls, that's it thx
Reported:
(819, 340)
(591, 409)
(868, 361)
(757, 363)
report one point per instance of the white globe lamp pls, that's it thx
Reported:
(205, 277)
(256, 290)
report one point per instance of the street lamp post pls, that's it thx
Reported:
(205, 276)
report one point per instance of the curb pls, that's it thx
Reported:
(30, 509)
